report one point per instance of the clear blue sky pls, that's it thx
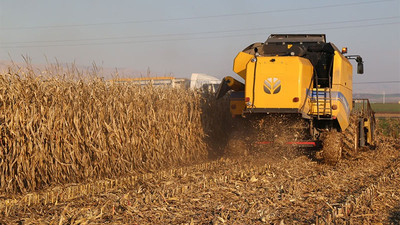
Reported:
(181, 37)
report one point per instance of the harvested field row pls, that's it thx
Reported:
(262, 188)
(366, 206)
(380, 201)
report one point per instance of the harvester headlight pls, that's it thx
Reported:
(334, 107)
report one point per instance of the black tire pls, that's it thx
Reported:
(351, 137)
(362, 136)
(332, 147)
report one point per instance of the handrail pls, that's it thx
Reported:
(366, 110)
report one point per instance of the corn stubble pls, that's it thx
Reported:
(59, 130)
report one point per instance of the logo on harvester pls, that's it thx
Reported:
(272, 85)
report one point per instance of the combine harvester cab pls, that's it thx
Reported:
(300, 74)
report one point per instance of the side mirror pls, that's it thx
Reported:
(360, 67)
(360, 63)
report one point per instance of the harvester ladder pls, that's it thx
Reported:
(327, 109)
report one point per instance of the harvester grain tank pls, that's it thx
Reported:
(302, 74)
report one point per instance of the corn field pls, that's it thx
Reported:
(56, 130)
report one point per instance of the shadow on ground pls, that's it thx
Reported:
(394, 216)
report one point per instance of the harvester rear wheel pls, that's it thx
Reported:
(351, 137)
(332, 147)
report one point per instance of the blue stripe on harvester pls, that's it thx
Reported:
(336, 95)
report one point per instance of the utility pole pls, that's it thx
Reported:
(383, 100)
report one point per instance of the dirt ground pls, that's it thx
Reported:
(274, 186)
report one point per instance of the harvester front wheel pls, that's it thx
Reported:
(332, 147)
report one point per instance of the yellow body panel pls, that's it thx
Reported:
(288, 77)
(285, 77)
(342, 82)
(237, 107)
(240, 63)
(341, 92)
(367, 124)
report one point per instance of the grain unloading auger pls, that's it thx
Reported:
(303, 77)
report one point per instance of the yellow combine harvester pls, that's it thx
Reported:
(301, 74)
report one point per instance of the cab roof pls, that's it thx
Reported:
(296, 38)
